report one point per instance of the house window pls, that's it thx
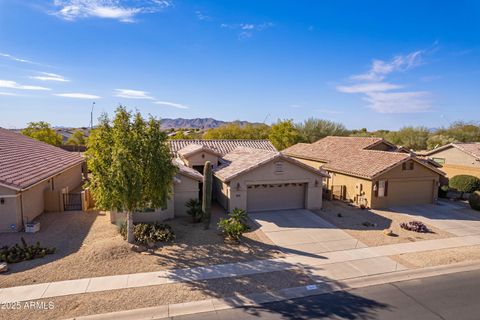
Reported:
(439, 160)
(407, 165)
(278, 167)
(381, 188)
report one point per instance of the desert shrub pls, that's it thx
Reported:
(194, 209)
(464, 184)
(24, 252)
(235, 225)
(416, 226)
(474, 200)
(145, 233)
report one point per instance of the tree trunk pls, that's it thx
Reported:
(130, 237)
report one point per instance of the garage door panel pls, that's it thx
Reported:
(275, 197)
(410, 192)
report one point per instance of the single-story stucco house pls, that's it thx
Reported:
(457, 158)
(370, 171)
(252, 175)
(33, 176)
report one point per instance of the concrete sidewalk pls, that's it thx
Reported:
(335, 265)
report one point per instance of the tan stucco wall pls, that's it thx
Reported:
(220, 192)
(183, 191)
(71, 178)
(407, 187)
(9, 214)
(199, 159)
(352, 193)
(454, 156)
(266, 174)
(452, 170)
(147, 217)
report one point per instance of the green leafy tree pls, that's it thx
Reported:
(313, 129)
(409, 137)
(131, 165)
(77, 138)
(42, 131)
(236, 131)
(438, 140)
(284, 134)
(462, 132)
(464, 184)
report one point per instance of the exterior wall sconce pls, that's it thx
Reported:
(316, 183)
(238, 185)
(375, 187)
(2, 201)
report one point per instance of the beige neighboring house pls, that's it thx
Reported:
(457, 158)
(252, 175)
(33, 176)
(370, 171)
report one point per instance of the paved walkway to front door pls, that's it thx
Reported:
(302, 230)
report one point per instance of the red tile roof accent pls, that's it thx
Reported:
(25, 161)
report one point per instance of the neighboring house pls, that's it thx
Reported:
(457, 158)
(370, 171)
(33, 176)
(252, 175)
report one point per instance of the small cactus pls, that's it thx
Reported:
(207, 194)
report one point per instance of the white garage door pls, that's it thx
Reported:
(276, 196)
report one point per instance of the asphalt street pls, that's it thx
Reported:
(453, 296)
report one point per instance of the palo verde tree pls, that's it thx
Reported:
(207, 194)
(130, 163)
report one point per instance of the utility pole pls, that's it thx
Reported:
(91, 116)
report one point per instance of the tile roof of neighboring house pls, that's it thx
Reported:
(352, 156)
(472, 148)
(24, 161)
(222, 146)
(194, 148)
(189, 172)
(242, 160)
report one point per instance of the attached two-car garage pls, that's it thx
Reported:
(261, 197)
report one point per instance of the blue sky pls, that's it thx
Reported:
(373, 64)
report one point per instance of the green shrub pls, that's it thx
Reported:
(474, 200)
(24, 252)
(234, 226)
(145, 233)
(464, 184)
(443, 191)
(194, 209)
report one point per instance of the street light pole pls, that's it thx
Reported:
(91, 116)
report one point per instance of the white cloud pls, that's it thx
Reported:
(121, 10)
(8, 94)
(202, 16)
(45, 76)
(76, 95)
(172, 104)
(382, 95)
(132, 94)
(14, 85)
(246, 30)
(368, 87)
(399, 102)
(9, 56)
(379, 68)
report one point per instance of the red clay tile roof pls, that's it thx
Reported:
(24, 161)
(350, 155)
(242, 160)
(222, 146)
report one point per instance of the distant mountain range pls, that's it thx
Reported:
(197, 123)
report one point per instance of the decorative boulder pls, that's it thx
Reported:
(3, 267)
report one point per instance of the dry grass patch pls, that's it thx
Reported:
(118, 300)
(88, 245)
(368, 225)
(439, 257)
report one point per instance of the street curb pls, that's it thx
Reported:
(256, 299)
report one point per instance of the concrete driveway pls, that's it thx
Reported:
(303, 231)
(456, 218)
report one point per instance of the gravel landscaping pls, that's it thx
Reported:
(88, 245)
(117, 300)
(438, 257)
(368, 225)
